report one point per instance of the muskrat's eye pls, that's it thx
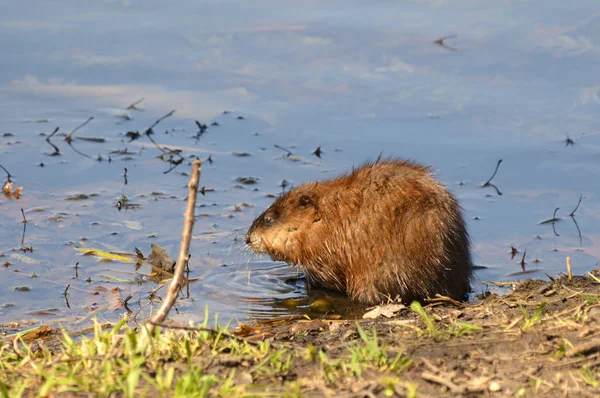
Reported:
(268, 220)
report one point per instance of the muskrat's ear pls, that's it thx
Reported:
(305, 200)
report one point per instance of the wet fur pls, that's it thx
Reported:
(387, 229)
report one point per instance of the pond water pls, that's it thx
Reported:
(456, 85)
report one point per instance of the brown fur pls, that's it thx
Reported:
(387, 229)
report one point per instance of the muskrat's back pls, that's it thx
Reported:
(387, 229)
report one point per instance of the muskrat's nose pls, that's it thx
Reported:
(247, 238)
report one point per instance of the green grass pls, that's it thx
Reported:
(533, 319)
(174, 363)
(456, 329)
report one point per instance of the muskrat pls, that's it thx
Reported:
(386, 230)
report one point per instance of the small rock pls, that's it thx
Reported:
(494, 386)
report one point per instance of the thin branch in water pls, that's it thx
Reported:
(493, 175)
(56, 150)
(523, 260)
(149, 130)
(160, 120)
(176, 283)
(440, 42)
(202, 129)
(133, 106)
(551, 220)
(69, 138)
(24, 227)
(572, 214)
(513, 252)
(125, 175)
(129, 296)
(7, 173)
(289, 153)
(488, 182)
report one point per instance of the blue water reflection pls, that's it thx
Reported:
(357, 79)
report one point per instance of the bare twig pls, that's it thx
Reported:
(149, 129)
(523, 260)
(572, 214)
(552, 220)
(488, 183)
(446, 382)
(440, 42)
(186, 236)
(133, 106)
(444, 299)
(569, 272)
(69, 138)
(56, 150)
(174, 156)
(289, 153)
(7, 173)
(493, 175)
(24, 227)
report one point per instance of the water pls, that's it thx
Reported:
(356, 79)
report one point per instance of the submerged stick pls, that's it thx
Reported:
(184, 248)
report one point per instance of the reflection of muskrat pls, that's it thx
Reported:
(387, 229)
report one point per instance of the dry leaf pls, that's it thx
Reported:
(387, 311)
(160, 259)
(7, 187)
